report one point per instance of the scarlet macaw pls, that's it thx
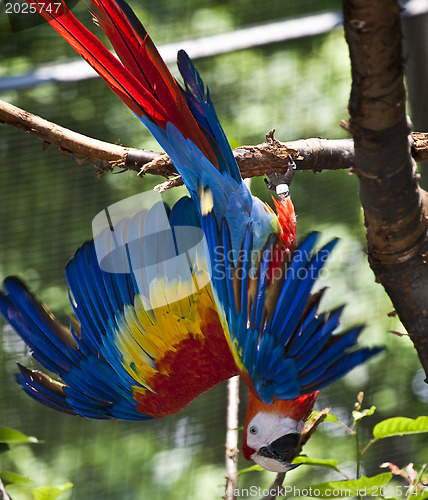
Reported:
(134, 355)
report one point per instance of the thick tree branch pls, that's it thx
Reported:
(394, 205)
(270, 156)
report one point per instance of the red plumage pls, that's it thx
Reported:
(189, 369)
(140, 78)
(298, 409)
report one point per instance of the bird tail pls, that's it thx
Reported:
(141, 79)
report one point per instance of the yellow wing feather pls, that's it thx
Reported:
(146, 333)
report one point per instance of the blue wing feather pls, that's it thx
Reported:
(344, 365)
(294, 352)
(259, 302)
(33, 325)
(94, 381)
(301, 257)
(307, 333)
(90, 380)
(228, 266)
(304, 278)
(314, 344)
(245, 263)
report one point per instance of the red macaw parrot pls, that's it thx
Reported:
(148, 340)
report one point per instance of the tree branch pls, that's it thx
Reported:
(393, 203)
(232, 438)
(102, 155)
(267, 157)
(276, 489)
(3, 494)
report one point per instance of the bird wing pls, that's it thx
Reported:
(146, 340)
(282, 346)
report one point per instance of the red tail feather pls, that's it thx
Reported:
(133, 46)
(140, 79)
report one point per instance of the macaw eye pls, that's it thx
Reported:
(253, 430)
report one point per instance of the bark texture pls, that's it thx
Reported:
(394, 205)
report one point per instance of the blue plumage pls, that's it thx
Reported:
(293, 352)
(199, 101)
(232, 198)
(102, 284)
(91, 385)
(290, 353)
(279, 342)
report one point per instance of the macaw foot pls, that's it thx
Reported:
(281, 182)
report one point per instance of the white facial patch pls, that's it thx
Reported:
(265, 428)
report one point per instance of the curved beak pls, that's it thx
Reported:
(275, 457)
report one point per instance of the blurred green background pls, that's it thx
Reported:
(47, 203)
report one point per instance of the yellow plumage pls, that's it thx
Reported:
(148, 331)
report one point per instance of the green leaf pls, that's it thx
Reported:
(398, 426)
(358, 415)
(363, 486)
(331, 464)
(250, 469)
(9, 477)
(50, 492)
(329, 417)
(11, 436)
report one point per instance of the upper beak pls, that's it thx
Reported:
(282, 449)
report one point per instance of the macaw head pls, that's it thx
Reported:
(272, 432)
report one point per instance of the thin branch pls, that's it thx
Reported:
(394, 205)
(367, 446)
(103, 155)
(420, 146)
(232, 438)
(309, 429)
(3, 494)
(276, 489)
(270, 156)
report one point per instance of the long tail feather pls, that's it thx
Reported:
(140, 78)
(199, 101)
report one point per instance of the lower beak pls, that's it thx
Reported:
(272, 461)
